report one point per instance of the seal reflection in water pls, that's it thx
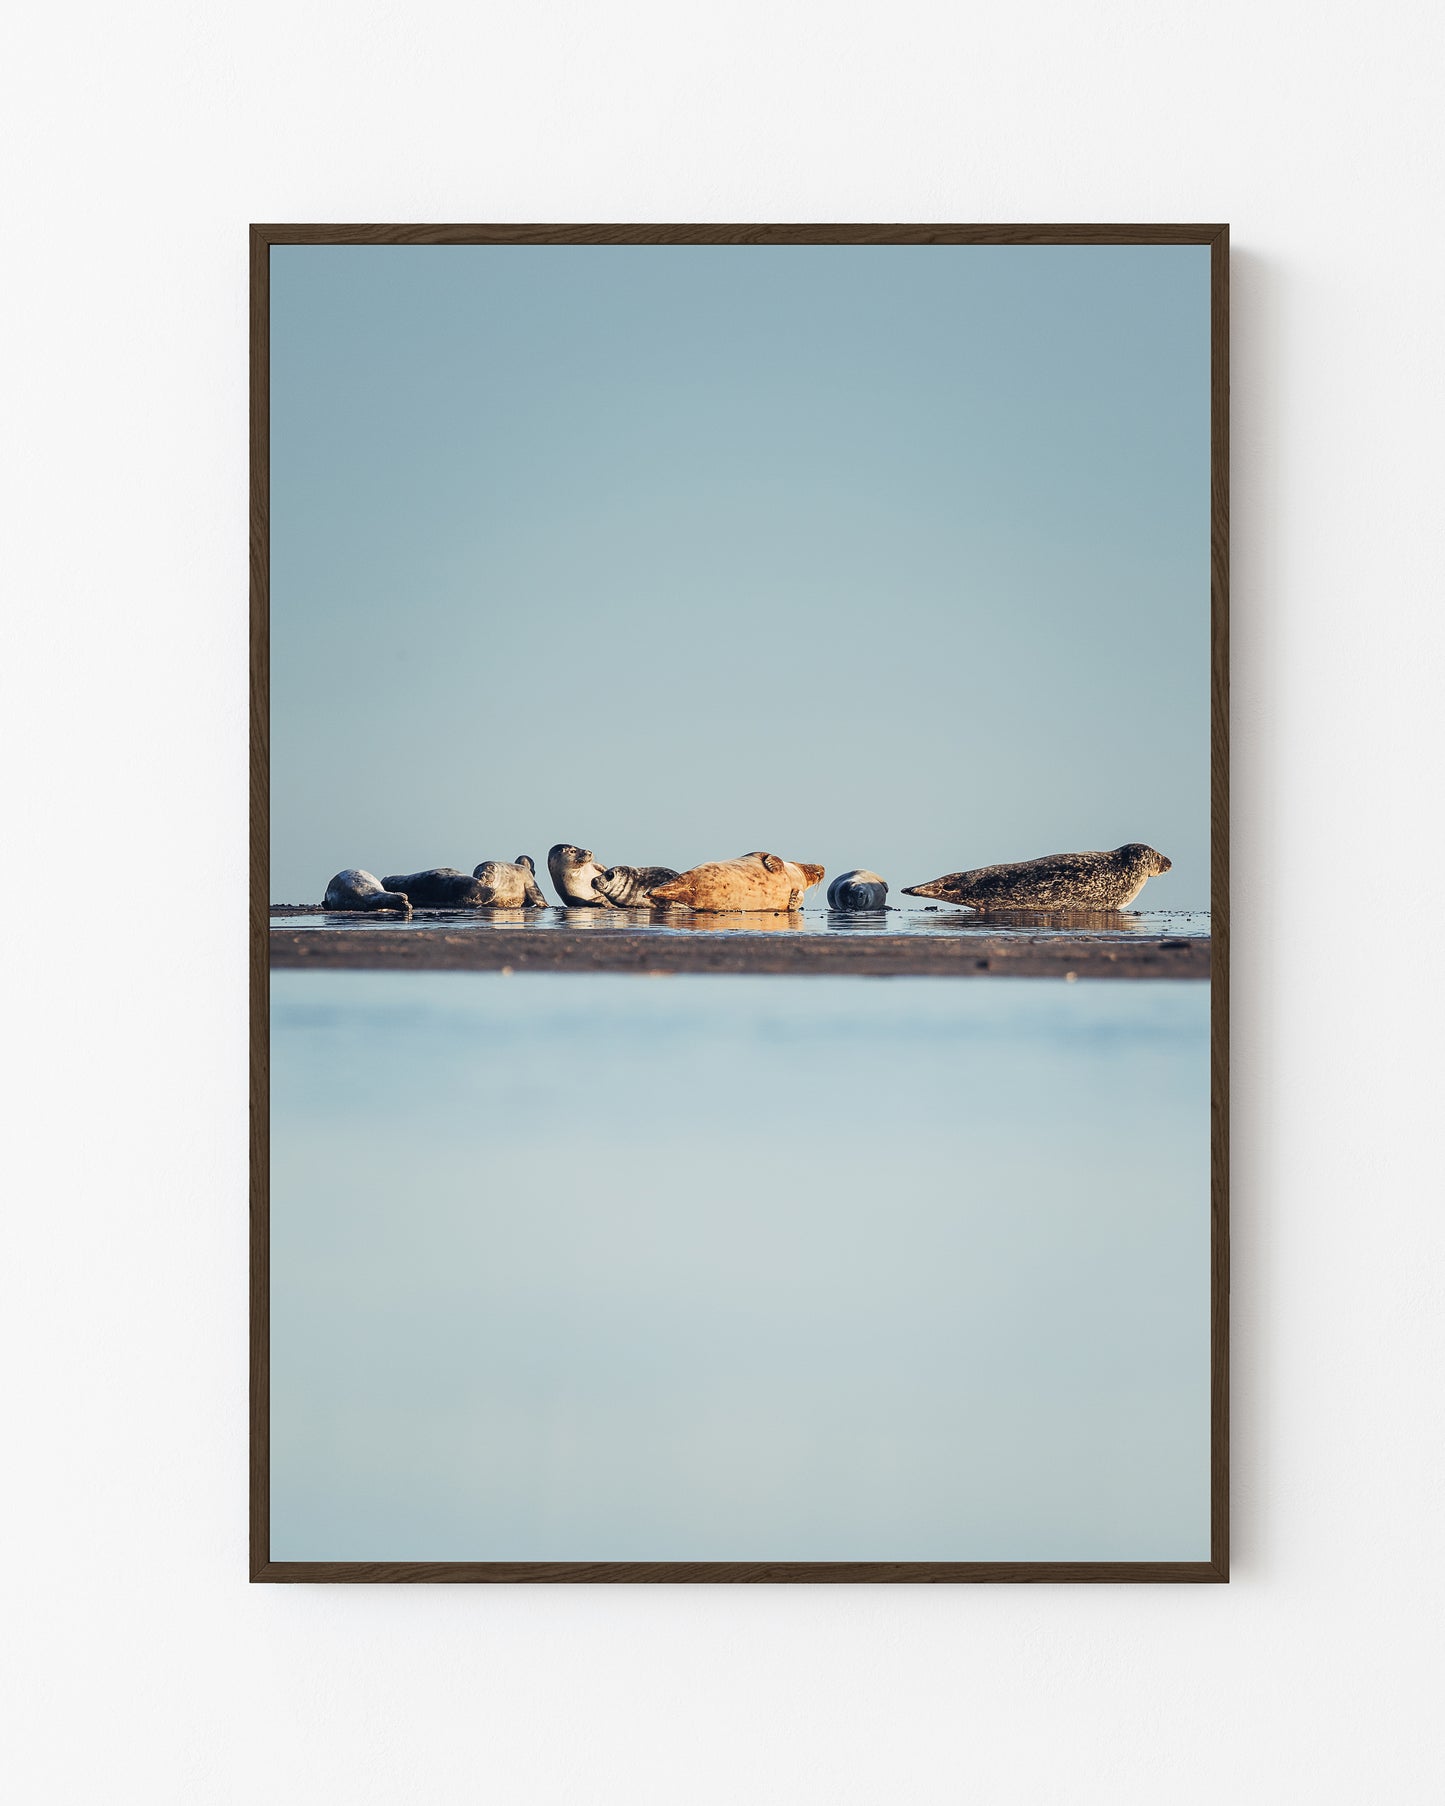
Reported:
(511, 886)
(753, 881)
(1058, 881)
(573, 872)
(631, 886)
(355, 889)
(858, 891)
(443, 887)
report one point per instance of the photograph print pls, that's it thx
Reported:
(739, 1074)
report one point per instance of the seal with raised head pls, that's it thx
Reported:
(443, 887)
(573, 870)
(1058, 881)
(355, 889)
(858, 891)
(631, 886)
(511, 886)
(751, 881)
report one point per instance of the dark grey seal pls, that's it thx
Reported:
(630, 886)
(511, 886)
(355, 889)
(1058, 881)
(858, 891)
(573, 870)
(443, 887)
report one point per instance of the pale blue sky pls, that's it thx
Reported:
(887, 556)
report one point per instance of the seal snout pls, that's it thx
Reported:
(1165, 864)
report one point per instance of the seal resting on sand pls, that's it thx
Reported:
(752, 881)
(443, 887)
(355, 889)
(858, 891)
(1058, 881)
(510, 886)
(631, 886)
(573, 870)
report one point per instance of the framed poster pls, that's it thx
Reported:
(740, 903)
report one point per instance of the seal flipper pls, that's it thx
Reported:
(532, 897)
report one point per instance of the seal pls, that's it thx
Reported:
(573, 873)
(510, 886)
(751, 881)
(631, 886)
(355, 889)
(857, 891)
(443, 887)
(1058, 881)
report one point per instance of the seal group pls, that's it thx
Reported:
(752, 882)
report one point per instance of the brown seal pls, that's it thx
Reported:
(752, 881)
(510, 886)
(1058, 881)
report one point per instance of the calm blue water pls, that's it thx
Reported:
(589, 1266)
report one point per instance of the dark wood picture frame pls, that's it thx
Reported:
(262, 1567)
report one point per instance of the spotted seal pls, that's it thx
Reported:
(511, 886)
(857, 891)
(752, 881)
(1058, 881)
(631, 886)
(355, 889)
(573, 871)
(443, 887)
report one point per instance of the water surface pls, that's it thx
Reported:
(589, 1266)
(918, 919)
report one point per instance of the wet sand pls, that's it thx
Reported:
(901, 943)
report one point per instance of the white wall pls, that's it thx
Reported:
(141, 1666)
